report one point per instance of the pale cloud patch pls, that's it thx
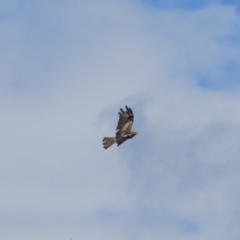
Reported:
(175, 180)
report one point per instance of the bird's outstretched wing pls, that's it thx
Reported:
(125, 121)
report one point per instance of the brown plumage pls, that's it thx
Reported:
(124, 129)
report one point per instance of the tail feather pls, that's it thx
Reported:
(108, 142)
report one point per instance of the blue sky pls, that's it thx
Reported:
(187, 4)
(66, 69)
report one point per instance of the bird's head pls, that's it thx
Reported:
(134, 133)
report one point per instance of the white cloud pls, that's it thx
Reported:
(177, 179)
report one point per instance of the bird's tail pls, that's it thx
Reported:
(108, 142)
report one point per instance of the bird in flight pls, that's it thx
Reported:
(124, 129)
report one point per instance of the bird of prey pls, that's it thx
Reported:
(124, 129)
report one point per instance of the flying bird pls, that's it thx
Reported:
(124, 129)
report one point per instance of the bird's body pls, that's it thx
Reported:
(124, 127)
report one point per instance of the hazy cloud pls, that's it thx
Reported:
(66, 69)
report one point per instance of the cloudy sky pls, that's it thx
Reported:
(66, 67)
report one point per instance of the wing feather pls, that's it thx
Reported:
(125, 121)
